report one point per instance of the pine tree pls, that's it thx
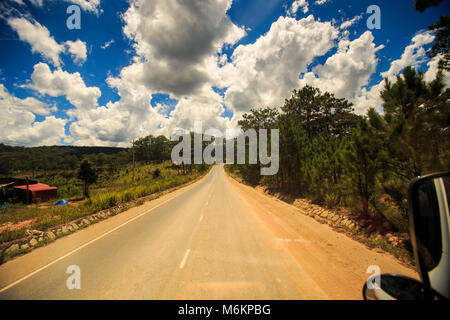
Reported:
(361, 156)
(87, 174)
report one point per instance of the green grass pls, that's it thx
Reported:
(108, 192)
(9, 235)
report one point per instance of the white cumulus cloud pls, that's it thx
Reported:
(348, 70)
(413, 55)
(296, 5)
(182, 55)
(265, 72)
(39, 38)
(18, 125)
(176, 47)
(62, 83)
(77, 50)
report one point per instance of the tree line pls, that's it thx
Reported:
(31, 160)
(338, 158)
(54, 158)
(335, 157)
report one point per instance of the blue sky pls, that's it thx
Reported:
(149, 67)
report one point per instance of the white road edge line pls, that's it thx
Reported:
(183, 262)
(81, 247)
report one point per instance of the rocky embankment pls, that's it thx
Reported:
(37, 238)
(339, 218)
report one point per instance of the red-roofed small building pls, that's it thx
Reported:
(36, 191)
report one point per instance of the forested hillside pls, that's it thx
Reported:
(19, 160)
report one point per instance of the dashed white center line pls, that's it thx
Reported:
(183, 262)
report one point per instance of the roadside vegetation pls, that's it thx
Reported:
(364, 164)
(111, 180)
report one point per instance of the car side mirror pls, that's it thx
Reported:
(429, 220)
(396, 287)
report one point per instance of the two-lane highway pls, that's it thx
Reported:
(205, 241)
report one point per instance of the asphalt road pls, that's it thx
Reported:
(215, 239)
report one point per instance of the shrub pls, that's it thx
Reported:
(331, 200)
(156, 173)
(8, 235)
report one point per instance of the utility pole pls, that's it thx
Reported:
(133, 160)
(28, 190)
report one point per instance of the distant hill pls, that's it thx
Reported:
(75, 150)
(17, 159)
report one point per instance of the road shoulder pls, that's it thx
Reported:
(335, 261)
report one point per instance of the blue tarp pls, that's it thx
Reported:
(2, 207)
(61, 202)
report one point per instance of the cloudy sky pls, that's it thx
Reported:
(150, 66)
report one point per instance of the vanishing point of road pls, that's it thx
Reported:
(213, 239)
